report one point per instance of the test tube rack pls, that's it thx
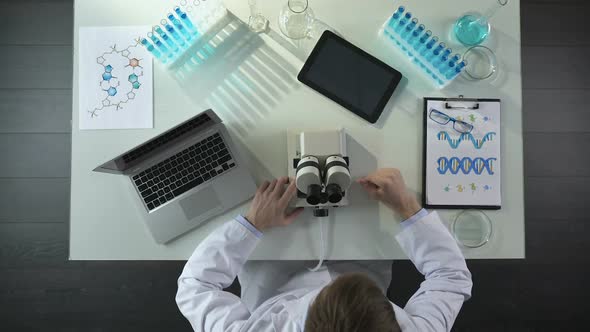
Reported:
(184, 33)
(422, 48)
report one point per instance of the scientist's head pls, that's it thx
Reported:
(352, 302)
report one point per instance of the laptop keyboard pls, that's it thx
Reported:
(184, 171)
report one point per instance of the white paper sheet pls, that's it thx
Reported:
(464, 169)
(115, 78)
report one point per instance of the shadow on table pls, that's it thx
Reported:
(234, 71)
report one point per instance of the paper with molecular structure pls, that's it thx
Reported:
(115, 78)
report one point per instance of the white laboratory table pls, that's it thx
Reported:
(261, 101)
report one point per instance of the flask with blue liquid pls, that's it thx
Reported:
(473, 28)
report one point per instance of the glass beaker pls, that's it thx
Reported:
(473, 28)
(296, 19)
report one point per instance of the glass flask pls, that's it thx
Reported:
(296, 19)
(473, 28)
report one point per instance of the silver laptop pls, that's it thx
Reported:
(185, 176)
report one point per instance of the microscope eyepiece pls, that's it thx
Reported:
(337, 178)
(308, 179)
(314, 193)
(334, 193)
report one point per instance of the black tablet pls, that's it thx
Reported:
(349, 76)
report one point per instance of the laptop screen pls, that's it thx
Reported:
(133, 157)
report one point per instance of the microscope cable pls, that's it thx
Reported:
(322, 246)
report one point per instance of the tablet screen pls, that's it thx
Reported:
(350, 76)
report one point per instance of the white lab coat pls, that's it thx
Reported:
(276, 295)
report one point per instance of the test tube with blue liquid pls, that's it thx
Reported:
(402, 22)
(396, 16)
(420, 42)
(409, 28)
(179, 27)
(442, 58)
(159, 45)
(445, 67)
(186, 21)
(415, 34)
(190, 32)
(422, 47)
(436, 52)
(171, 44)
(152, 50)
(427, 48)
(172, 32)
(451, 73)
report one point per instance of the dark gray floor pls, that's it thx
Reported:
(40, 289)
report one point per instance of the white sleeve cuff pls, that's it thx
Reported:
(248, 225)
(419, 215)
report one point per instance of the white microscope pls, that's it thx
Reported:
(319, 163)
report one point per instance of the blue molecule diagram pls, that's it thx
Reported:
(466, 165)
(118, 63)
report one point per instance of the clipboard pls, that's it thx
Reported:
(462, 170)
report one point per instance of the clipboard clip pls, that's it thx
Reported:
(460, 99)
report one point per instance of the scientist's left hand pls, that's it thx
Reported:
(269, 207)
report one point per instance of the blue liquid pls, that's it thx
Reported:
(422, 40)
(186, 20)
(447, 68)
(394, 18)
(409, 29)
(166, 39)
(402, 22)
(455, 58)
(415, 34)
(159, 44)
(452, 73)
(440, 60)
(431, 56)
(151, 48)
(471, 32)
(426, 49)
(180, 27)
(428, 46)
(177, 38)
(450, 65)
(443, 58)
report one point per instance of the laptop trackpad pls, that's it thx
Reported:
(199, 203)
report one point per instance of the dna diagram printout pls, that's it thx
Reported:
(115, 79)
(462, 169)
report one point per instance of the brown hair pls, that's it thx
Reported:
(351, 303)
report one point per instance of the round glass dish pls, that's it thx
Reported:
(472, 228)
(480, 63)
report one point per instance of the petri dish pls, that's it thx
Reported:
(481, 63)
(472, 228)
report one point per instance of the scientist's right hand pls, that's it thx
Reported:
(270, 204)
(387, 185)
